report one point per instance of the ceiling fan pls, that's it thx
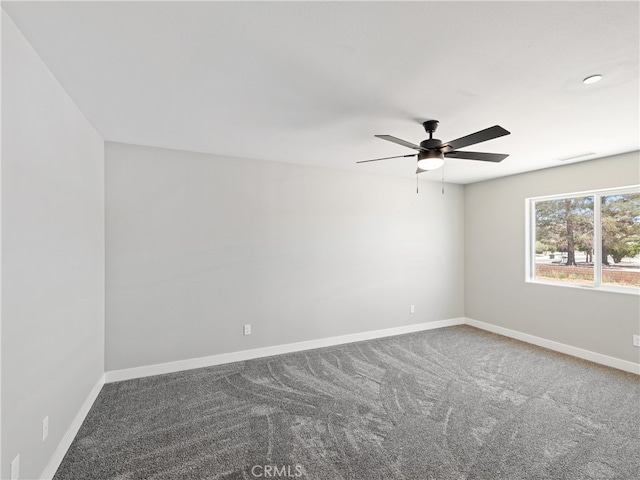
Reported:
(431, 152)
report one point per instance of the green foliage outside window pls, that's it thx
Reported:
(566, 230)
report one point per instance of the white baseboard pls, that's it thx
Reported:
(171, 367)
(158, 369)
(181, 365)
(72, 431)
(558, 347)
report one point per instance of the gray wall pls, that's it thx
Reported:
(198, 245)
(495, 286)
(52, 257)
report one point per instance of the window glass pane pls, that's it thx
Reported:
(621, 239)
(564, 240)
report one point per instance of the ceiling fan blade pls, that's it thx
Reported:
(399, 141)
(419, 170)
(387, 158)
(485, 157)
(481, 136)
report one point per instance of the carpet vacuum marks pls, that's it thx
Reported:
(454, 403)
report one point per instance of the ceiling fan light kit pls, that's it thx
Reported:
(430, 160)
(432, 151)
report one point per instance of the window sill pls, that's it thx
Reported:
(603, 288)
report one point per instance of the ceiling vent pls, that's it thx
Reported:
(574, 157)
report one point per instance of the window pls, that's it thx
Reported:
(589, 239)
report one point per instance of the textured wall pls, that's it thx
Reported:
(495, 288)
(198, 245)
(52, 257)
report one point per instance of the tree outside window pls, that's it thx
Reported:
(570, 232)
(620, 235)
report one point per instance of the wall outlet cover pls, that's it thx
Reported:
(45, 428)
(636, 340)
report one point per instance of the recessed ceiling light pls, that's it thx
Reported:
(592, 79)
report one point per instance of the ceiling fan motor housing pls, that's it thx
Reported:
(432, 153)
(431, 143)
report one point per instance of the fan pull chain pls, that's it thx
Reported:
(417, 183)
(442, 179)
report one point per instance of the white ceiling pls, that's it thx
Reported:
(312, 82)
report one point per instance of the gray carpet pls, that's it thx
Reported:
(453, 403)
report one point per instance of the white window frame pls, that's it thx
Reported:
(530, 235)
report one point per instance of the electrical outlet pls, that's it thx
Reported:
(247, 329)
(636, 340)
(15, 468)
(412, 309)
(45, 428)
